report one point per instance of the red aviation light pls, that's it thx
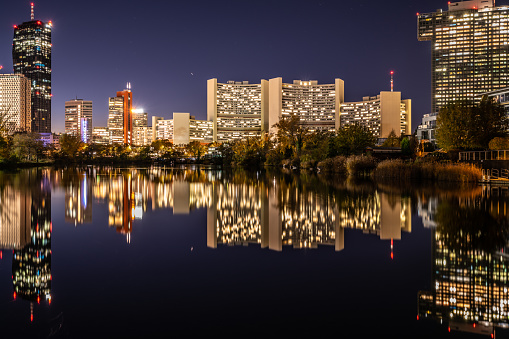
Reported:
(38, 22)
(417, 13)
(15, 26)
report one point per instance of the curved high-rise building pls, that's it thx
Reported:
(31, 56)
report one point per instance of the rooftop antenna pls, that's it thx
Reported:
(392, 81)
(129, 86)
(32, 16)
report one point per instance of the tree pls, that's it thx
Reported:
(290, 135)
(392, 140)
(196, 149)
(460, 126)
(353, 139)
(499, 143)
(70, 145)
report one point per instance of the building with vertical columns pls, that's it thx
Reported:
(154, 126)
(78, 119)
(31, 56)
(15, 99)
(237, 109)
(380, 114)
(120, 119)
(317, 105)
(469, 50)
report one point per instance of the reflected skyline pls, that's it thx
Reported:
(270, 212)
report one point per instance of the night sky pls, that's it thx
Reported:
(168, 50)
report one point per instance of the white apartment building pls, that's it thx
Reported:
(380, 114)
(78, 119)
(15, 102)
(237, 109)
(317, 105)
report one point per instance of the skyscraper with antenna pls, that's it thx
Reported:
(31, 56)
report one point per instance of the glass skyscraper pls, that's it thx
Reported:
(469, 50)
(31, 56)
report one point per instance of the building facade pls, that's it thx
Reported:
(187, 129)
(31, 56)
(469, 53)
(164, 129)
(317, 105)
(426, 130)
(120, 119)
(15, 99)
(101, 135)
(237, 109)
(381, 114)
(78, 119)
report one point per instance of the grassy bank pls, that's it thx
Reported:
(399, 170)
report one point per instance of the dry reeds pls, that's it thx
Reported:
(400, 170)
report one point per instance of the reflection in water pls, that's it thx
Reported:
(26, 227)
(469, 264)
(273, 210)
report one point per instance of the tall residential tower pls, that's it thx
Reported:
(469, 50)
(31, 56)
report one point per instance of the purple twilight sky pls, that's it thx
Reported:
(168, 49)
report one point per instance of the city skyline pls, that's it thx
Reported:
(385, 39)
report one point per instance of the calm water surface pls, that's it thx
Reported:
(153, 252)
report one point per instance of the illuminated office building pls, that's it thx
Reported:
(15, 98)
(469, 50)
(187, 128)
(142, 134)
(164, 129)
(380, 114)
(316, 105)
(120, 118)
(31, 57)
(237, 109)
(101, 135)
(154, 127)
(78, 119)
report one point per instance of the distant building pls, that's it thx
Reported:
(120, 119)
(31, 56)
(142, 134)
(187, 129)
(468, 50)
(15, 101)
(78, 119)
(317, 105)
(101, 135)
(237, 109)
(426, 130)
(380, 114)
(154, 126)
(164, 129)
